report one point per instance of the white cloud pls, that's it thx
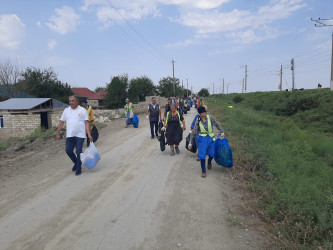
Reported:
(51, 44)
(12, 31)
(65, 22)
(182, 44)
(205, 16)
(39, 24)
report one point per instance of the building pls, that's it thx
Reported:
(94, 99)
(19, 117)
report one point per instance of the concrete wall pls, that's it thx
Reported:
(93, 103)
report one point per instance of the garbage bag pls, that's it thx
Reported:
(161, 138)
(194, 145)
(90, 156)
(135, 121)
(223, 153)
(94, 134)
(160, 126)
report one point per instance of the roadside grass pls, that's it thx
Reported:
(285, 159)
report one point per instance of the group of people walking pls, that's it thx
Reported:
(80, 120)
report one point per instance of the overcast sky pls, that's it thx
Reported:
(89, 41)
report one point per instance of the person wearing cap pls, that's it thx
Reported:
(154, 116)
(129, 111)
(91, 119)
(174, 125)
(206, 139)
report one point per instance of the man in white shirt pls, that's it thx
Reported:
(77, 126)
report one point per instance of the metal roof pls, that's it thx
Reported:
(26, 103)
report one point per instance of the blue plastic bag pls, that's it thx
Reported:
(90, 156)
(223, 153)
(135, 121)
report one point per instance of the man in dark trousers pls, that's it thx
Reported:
(167, 108)
(76, 118)
(154, 116)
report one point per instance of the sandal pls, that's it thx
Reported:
(203, 175)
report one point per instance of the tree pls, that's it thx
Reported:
(10, 73)
(116, 91)
(99, 89)
(44, 83)
(141, 87)
(167, 87)
(203, 92)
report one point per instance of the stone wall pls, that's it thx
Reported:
(23, 124)
(19, 125)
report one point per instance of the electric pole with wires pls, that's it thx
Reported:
(323, 23)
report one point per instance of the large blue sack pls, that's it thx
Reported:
(90, 156)
(223, 153)
(135, 121)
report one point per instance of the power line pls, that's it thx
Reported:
(132, 28)
(323, 23)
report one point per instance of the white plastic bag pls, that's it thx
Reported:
(90, 156)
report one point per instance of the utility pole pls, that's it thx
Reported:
(213, 89)
(182, 88)
(173, 77)
(245, 83)
(243, 86)
(223, 86)
(322, 23)
(280, 86)
(186, 87)
(293, 73)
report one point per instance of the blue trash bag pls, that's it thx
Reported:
(90, 156)
(135, 121)
(223, 153)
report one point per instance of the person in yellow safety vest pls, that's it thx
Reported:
(91, 118)
(206, 138)
(174, 126)
(129, 111)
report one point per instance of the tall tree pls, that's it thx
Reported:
(141, 87)
(203, 92)
(44, 83)
(116, 91)
(168, 87)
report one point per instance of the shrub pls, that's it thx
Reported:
(238, 99)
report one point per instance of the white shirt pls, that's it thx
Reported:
(75, 121)
(153, 106)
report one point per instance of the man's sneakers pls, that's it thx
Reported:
(74, 168)
(78, 172)
(152, 137)
(209, 166)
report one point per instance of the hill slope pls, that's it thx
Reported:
(283, 141)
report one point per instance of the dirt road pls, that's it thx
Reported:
(136, 198)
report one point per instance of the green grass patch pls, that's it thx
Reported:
(290, 156)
